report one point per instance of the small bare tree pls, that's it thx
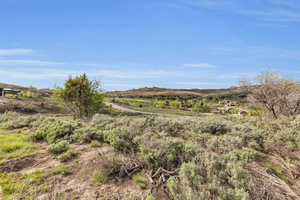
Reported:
(280, 96)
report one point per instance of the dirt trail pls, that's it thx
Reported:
(117, 107)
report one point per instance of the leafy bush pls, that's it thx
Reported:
(118, 165)
(289, 136)
(55, 130)
(7, 116)
(58, 148)
(140, 181)
(168, 155)
(88, 134)
(203, 180)
(28, 94)
(100, 177)
(175, 104)
(68, 155)
(20, 122)
(172, 128)
(161, 104)
(215, 127)
(201, 108)
(95, 144)
(120, 139)
(63, 170)
(244, 154)
(150, 197)
(256, 110)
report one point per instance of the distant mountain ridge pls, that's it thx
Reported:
(11, 86)
(41, 92)
(165, 92)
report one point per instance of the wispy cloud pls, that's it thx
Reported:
(267, 10)
(40, 74)
(234, 76)
(30, 62)
(200, 65)
(256, 52)
(274, 14)
(287, 3)
(15, 52)
(17, 62)
(209, 3)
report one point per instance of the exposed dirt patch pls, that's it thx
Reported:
(42, 162)
(18, 164)
(81, 185)
(267, 185)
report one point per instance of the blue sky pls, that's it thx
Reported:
(135, 43)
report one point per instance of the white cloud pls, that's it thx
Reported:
(15, 52)
(287, 3)
(274, 14)
(42, 74)
(271, 10)
(209, 3)
(29, 62)
(256, 51)
(234, 76)
(200, 65)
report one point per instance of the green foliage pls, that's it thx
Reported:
(58, 148)
(215, 127)
(63, 170)
(150, 197)
(12, 120)
(161, 104)
(140, 181)
(7, 116)
(288, 136)
(244, 154)
(100, 177)
(256, 110)
(207, 158)
(201, 108)
(28, 94)
(11, 95)
(96, 144)
(119, 139)
(68, 155)
(203, 180)
(82, 96)
(14, 145)
(54, 130)
(277, 170)
(175, 104)
(9, 185)
(166, 154)
(16, 187)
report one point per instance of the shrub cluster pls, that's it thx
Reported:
(206, 155)
(201, 108)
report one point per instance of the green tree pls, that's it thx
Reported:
(175, 104)
(201, 108)
(83, 97)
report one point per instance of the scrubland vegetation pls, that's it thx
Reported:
(218, 157)
(206, 155)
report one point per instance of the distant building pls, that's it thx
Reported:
(4, 91)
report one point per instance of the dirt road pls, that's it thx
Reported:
(120, 108)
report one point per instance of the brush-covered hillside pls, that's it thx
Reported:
(196, 149)
(156, 92)
(49, 156)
